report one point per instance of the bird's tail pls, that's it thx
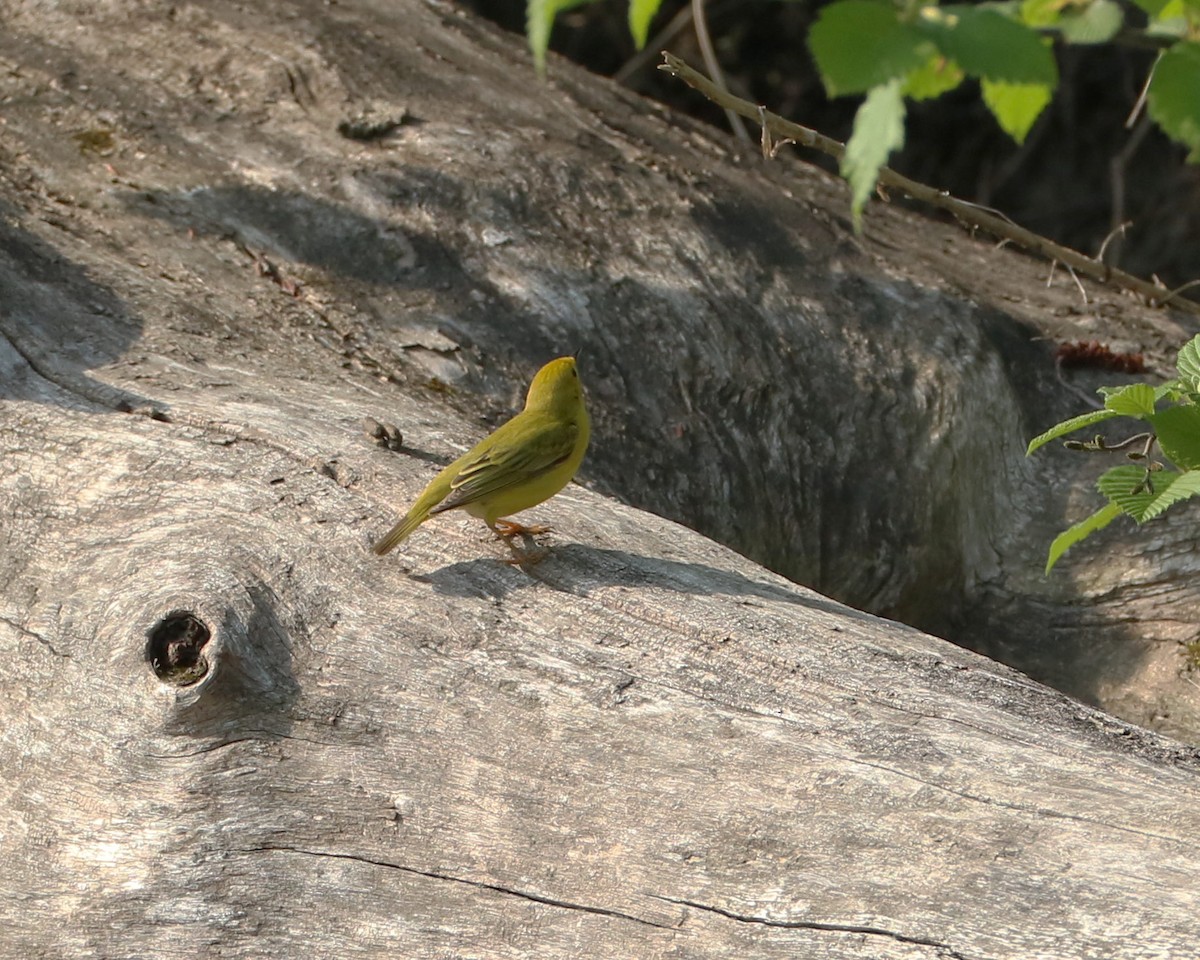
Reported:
(418, 513)
(413, 519)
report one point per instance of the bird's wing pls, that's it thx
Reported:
(544, 445)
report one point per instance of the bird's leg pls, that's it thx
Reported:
(522, 558)
(507, 529)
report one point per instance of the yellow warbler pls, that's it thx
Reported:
(525, 461)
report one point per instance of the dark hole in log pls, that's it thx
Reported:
(174, 646)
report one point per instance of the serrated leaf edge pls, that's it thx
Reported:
(1070, 426)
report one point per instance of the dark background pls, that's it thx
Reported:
(1080, 173)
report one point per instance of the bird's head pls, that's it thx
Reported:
(556, 386)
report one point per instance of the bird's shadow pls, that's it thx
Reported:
(578, 569)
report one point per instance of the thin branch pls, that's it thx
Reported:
(1117, 171)
(770, 147)
(1174, 294)
(1101, 445)
(1082, 291)
(1118, 230)
(680, 22)
(708, 51)
(1155, 296)
(992, 210)
(1141, 100)
(1088, 399)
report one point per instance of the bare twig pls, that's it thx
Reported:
(770, 147)
(1088, 399)
(1118, 230)
(1178, 290)
(1101, 445)
(1096, 269)
(1141, 100)
(1117, 170)
(1075, 277)
(986, 209)
(708, 51)
(678, 23)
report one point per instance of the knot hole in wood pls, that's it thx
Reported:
(175, 648)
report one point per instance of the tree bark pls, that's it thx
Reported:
(230, 730)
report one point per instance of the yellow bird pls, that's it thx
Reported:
(525, 461)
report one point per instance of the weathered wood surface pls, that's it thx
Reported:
(851, 414)
(646, 747)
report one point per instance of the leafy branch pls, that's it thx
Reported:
(891, 51)
(869, 46)
(776, 130)
(1146, 487)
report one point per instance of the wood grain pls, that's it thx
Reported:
(645, 746)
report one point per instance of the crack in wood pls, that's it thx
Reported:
(478, 884)
(944, 949)
(210, 748)
(25, 631)
(253, 736)
(1010, 805)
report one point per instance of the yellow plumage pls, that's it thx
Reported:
(525, 461)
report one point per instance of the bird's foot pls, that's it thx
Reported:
(525, 558)
(507, 529)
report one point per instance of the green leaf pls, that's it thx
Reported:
(1174, 96)
(1155, 7)
(1069, 426)
(1178, 431)
(859, 45)
(1015, 105)
(1120, 485)
(878, 130)
(1188, 364)
(1079, 21)
(1184, 486)
(1175, 28)
(539, 20)
(1072, 535)
(1041, 13)
(1176, 391)
(1135, 400)
(1098, 22)
(641, 12)
(937, 76)
(1171, 389)
(989, 45)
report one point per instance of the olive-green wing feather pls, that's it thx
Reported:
(545, 444)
